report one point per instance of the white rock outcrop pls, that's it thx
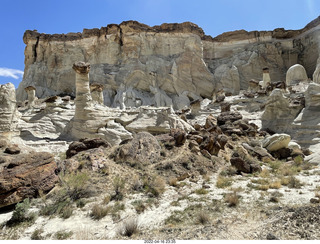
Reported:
(8, 109)
(276, 142)
(97, 93)
(174, 57)
(31, 91)
(296, 74)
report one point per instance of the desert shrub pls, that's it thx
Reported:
(275, 165)
(202, 218)
(57, 207)
(201, 191)
(294, 182)
(63, 235)
(76, 185)
(106, 199)
(298, 160)
(275, 184)
(228, 171)
(264, 173)
(223, 182)
(36, 235)
(66, 212)
(232, 199)
(118, 187)
(98, 212)
(263, 187)
(80, 203)
(154, 186)
(173, 182)
(129, 228)
(139, 206)
(20, 214)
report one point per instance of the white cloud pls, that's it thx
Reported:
(13, 73)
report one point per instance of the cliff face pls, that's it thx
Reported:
(179, 59)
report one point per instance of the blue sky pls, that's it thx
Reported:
(213, 16)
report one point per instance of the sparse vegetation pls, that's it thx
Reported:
(98, 212)
(173, 182)
(232, 199)
(130, 227)
(201, 191)
(36, 235)
(154, 186)
(223, 182)
(139, 206)
(203, 218)
(118, 187)
(63, 235)
(21, 215)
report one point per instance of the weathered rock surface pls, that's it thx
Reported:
(279, 114)
(276, 142)
(173, 57)
(143, 148)
(85, 144)
(296, 74)
(8, 109)
(23, 176)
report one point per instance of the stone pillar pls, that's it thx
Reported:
(83, 96)
(97, 93)
(8, 109)
(265, 78)
(195, 107)
(31, 91)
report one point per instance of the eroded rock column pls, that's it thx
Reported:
(8, 109)
(265, 78)
(83, 95)
(31, 91)
(97, 93)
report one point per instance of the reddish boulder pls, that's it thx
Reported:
(179, 136)
(85, 144)
(23, 176)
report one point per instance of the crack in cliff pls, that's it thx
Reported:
(121, 36)
(35, 49)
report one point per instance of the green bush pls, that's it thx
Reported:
(20, 214)
(36, 235)
(118, 187)
(63, 235)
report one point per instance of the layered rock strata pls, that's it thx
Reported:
(173, 57)
(8, 109)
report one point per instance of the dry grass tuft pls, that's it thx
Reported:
(129, 228)
(98, 212)
(275, 184)
(202, 218)
(223, 182)
(232, 199)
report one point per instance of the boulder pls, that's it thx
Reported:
(23, 176)
(312, 96)
(214, 143)
(179, 136)
(12, 149)
(240, 164)
(276, 142)
(143, 148)
(228, 116)
(296, 74)
(85, 144)
(157, 120)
